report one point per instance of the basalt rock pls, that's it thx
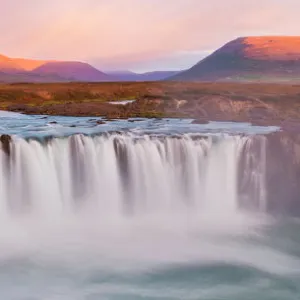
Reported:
(5, 140)
(273, 165)
(283, 172)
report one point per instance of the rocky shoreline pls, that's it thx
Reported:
(262, 104)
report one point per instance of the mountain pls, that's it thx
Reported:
(148, 76)
(6, 65)
(73, 71)
(18, 64)
(29, 70)
(270, 58)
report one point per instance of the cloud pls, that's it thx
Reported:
(128, 32)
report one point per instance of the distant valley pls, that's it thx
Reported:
(28, 70)
(148, 76)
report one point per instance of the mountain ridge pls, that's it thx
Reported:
(31, 70)
(48, 70)
(268, 58)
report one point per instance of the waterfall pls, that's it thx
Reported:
(116, 175)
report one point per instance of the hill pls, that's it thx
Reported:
(73, 71)
(29, 70)
(268, 59)
(13, 65)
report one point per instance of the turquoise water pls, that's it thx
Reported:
(263, 266)
(43, 126)
(211, 255)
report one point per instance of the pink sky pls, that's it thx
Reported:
(139, 35)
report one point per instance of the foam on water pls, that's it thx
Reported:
(141, 214)
(123, 196)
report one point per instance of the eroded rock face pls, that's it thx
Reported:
(283, 172)
(5, 140)
(269, 173)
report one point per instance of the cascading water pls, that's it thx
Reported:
(125, 174)
(155, 211)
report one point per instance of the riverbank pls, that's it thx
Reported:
(263, 104)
